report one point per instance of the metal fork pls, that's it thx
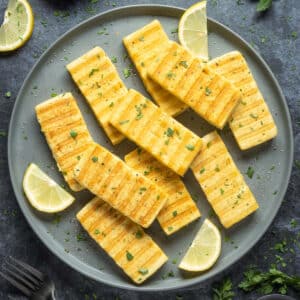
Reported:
(31, 282)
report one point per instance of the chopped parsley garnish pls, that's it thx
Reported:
(293, 223)
(184, 64)
(174, 213)
(175, 30)
(142, 189)
(250, 172)
(297, 163)
(141, 39)
(80, 237)
(111, 104)
(254, 116)
(207, 91)
(139, 113)
(123, 122)
(208, 144)
(53, 95)
(139, 234)
(170, 75)
(217, 169)
(3, 134)
(94, 159)
(190, 147)
(129, 256)
(202, 171)
(93, 71)
(97, 231)
(73, 134)
(8, 94)
(114, 59)
(127, 72)
(143, 271)
(169, 132)
(221, 191)
(170, 228)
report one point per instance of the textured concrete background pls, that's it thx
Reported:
(275, 34)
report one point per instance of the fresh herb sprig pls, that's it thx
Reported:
(269, 281)
(223, 291)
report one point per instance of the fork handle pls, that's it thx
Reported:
(52, 296)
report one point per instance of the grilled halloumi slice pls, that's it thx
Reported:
(125, 242)
(210, 95)
(99, 82)
(66, 133)
(149, 127)
(251, 122)
(180, 209)
(108, 177)
(143, 46)
(222, 182)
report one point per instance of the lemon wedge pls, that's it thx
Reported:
(17, 26)
(192, 30)
(43, 193)
(205, 249)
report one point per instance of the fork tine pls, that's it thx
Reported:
(29, 268)
(19, 278)
(27, 275)
(16, 284)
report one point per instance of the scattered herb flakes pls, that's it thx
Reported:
(170, 228)
(114, 59)
(123, 122)
(141, 39)
(250, 172)
(202, 171)
(174, 213)
(294, 34)
(190, 147)
(208, 144)
(221, 191)
(8, 94)
(174, 261)
(293, 223)
(207, 91)
(143, 271)
(169, 132)
(80, 237)
(263, 5)
(254, 116)
(170, 75)
(129, 256)
(184, 64)
(93, 71)
(281, 246)
(175, 30)
(53, 95)
(94, 159)
(73, 134)
(56, 219)
(127, 73)
(97, 231)
(139, 234)
(3, 133)
(297, 163)
(217, 168)
(223, 291)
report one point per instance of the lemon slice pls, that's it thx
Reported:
(17, 26)
(192, 30)
(44, 193)
(205, 249)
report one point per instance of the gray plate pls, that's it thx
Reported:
(62, 234)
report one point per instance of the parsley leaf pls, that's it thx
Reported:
(263, 5)
(223, 291)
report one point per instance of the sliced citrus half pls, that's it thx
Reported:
(44, 193)
(205, 249)
(17, 26)
(192, 30)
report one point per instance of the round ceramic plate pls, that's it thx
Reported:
(61, 233)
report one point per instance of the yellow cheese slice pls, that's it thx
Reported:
(207, 93)
(143, 46)
(66, 133)
(149, 127)
(99, 82)
(180, 209)
(108, 177)
(124, 241)
(251, 122)
(222, 182)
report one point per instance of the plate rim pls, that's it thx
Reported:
(128, 285)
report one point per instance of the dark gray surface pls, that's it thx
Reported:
(271, 35)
